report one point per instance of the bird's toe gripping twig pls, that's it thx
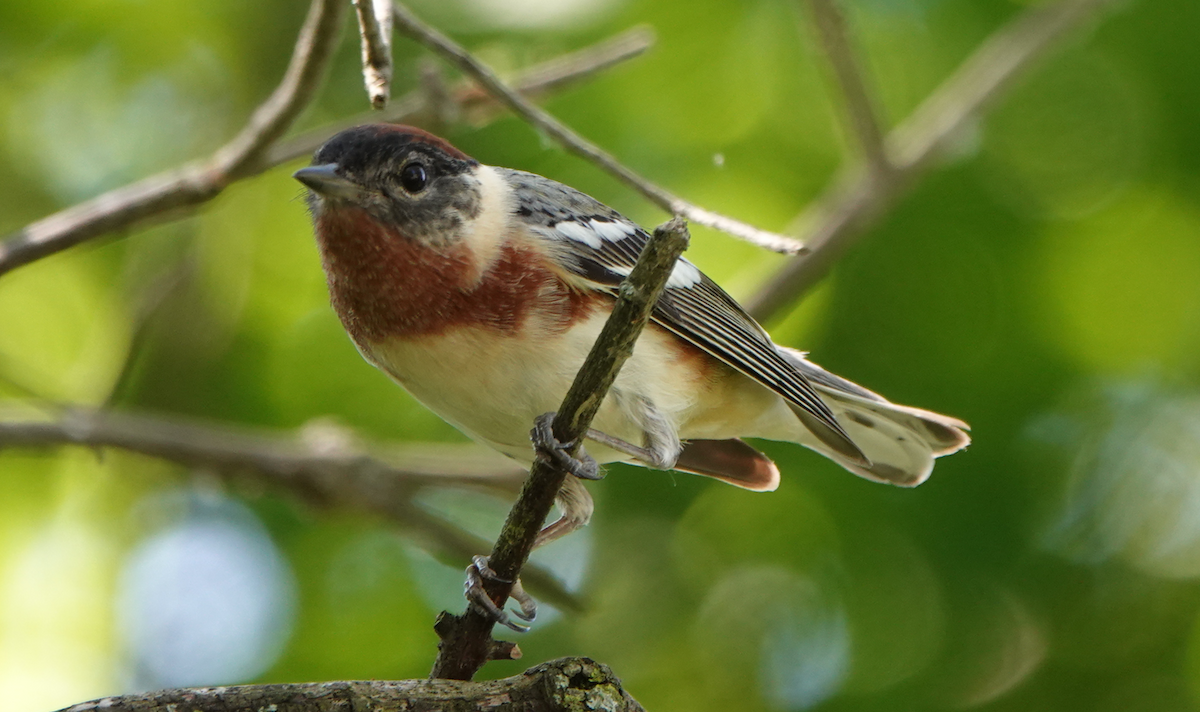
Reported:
(478, 597)
(548, 447)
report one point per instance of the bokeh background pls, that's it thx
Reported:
(1042, 283)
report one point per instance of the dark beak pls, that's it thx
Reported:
(325, 181)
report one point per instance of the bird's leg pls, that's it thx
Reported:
(575, 505)
(546, 446)
(651, 456)
(575, 508)
(661, 446)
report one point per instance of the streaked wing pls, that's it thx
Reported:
(599, 246)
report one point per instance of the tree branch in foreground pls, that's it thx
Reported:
(454, 53)
(168, 194)
(852, 205)
(197, 182)
(563, 685)
(322, 465)
(375, 28)
(466, 640)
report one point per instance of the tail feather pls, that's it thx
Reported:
(901, 442)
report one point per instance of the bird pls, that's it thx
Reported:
(480, 290)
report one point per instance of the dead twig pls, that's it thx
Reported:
(375, 28)
(466, 640)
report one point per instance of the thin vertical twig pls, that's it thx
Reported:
(375, 28)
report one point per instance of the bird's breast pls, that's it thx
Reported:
(385, 286)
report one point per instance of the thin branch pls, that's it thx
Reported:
(568, 69)
(466, 642)
(466, 62)
(168, 194)
(375, 28)
(563, 685)
(852, 205)
(314, 459)
(861, 108)
(321, 464)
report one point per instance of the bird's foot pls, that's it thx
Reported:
(478, 597)
(548, 447)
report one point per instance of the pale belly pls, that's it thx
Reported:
(492, 385)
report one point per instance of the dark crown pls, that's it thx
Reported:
(365, 151)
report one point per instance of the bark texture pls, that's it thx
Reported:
(563, 685)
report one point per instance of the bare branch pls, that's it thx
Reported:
(375, 27)
(168, 194)
(848, 208)
(540, 119)
(321, 464)
(319, 456)
(466, 640)
(563, 685)
(569, 69)
(861, 108)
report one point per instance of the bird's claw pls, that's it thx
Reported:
(548, 447)
(478, 597)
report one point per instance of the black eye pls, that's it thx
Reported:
(413, 178)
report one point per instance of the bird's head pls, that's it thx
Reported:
(406, 226)
(412, 182)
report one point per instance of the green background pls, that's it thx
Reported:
(1042, 283)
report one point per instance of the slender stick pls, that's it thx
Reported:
(856, 200)
(454, 53)
(467, 639)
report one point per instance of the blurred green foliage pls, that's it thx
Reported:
(1044, 285)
